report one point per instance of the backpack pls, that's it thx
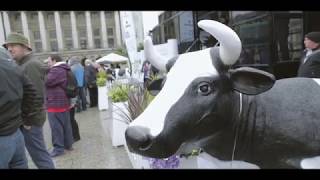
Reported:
(72, 85)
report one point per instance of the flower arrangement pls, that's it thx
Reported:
(171, 162)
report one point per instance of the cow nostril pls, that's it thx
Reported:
(138, 138)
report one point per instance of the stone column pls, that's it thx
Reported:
(103, 29)
(6, 23)
(89, 30)
(42, 29)
(25, 27)
(75, 39)
(117, 28)
(58, 30)
(2, 34)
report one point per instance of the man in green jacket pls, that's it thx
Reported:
(21, 51)
(17, 102)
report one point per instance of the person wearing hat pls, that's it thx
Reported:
(19, 47)
(310, 61)
(17, 100)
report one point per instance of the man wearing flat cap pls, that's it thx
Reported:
(21, 51)
(310, 61)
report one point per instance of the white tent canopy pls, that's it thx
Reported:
(112, 58)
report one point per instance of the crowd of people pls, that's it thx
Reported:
(32, 91)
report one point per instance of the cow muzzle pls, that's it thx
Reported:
(138, 138)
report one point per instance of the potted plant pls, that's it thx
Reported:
(102, 90)
(138, 100)
(119, 96)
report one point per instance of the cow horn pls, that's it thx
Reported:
(153, 56)
(230, 44)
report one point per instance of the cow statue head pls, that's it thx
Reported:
(197, 98)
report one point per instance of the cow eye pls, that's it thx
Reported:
(204, 88)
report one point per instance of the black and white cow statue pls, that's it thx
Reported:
(242, 114)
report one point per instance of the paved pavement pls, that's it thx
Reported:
(94, 150)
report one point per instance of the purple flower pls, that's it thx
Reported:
(168, 163)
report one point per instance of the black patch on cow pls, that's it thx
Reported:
(170, 63)
(216, 61)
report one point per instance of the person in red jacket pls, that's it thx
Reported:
(58, 105)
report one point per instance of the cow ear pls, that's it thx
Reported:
(155, 86)
(251, 81)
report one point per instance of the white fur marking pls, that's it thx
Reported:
(310, 163)
(317, 80)
(188, 67)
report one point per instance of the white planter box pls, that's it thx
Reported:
(206, 161)
(188, 163)
(118, 124)
(103, 98)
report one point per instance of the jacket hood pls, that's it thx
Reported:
(61, 65)
(73, 60)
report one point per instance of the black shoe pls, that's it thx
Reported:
(76, 139)
(55, 154)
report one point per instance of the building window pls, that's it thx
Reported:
(54, 45)
(38, 46)
(36, 35)
(52, 34)
(80, 16)
(65, 15)
(96, 32)
(34, 16)
(95, 15)
(50, 16)
(68, 44)
(83, 44)
(110, 42)
(82, 32)
(110, 31)
(17, 17)
(67, 33)
(109, 14)
(97, 43)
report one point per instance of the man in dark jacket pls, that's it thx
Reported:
(310, 62)
(91, 79)
(17, 100)
(21, 52)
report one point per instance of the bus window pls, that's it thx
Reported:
(288, 31)
(256, 40)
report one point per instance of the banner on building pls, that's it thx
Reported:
(186, 27)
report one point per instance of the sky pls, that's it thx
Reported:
(150, 20)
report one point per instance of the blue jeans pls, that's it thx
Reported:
(37, 148)
(13, 153)
(62, 137)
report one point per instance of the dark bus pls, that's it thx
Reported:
(271, 40)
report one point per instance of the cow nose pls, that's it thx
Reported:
(138, 138)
